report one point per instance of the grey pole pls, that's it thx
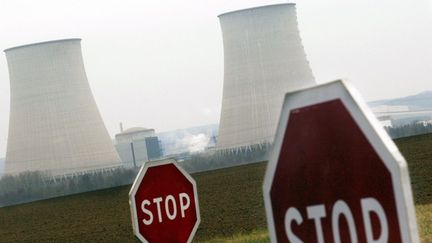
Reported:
(133, 154)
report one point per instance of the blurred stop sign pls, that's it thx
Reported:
(164, 203)
(334, 174)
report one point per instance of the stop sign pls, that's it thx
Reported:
(164, 203)
(334, 175)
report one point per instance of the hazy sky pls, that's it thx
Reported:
(159, 64)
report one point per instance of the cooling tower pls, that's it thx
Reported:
(263, 59)
(54, 123)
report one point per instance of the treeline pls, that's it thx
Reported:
(211, 160)
(32, 186)
(36, 185)
(411, 129)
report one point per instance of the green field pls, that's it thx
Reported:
(231, 204)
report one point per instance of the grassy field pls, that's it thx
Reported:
(232, 209)
(417, 150)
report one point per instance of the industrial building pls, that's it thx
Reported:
(263, 59)
(137, 145)
(54, 122)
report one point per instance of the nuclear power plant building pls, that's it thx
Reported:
(137, 145)
(263, 59)
(54, 122)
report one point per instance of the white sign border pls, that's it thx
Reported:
(136, 184)
(375, 134)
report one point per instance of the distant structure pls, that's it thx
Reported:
(263, 59)
(54, 122)
(212, 143)
(137, 145)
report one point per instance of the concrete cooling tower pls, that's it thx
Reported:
(263, 59)
(54, 123)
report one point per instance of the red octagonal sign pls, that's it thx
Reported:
(164, 203)
(334, 174)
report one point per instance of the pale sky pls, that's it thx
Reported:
(159, 64)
